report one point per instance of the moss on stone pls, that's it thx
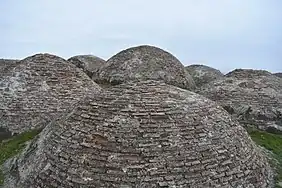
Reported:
(12, 146)
(273, 143)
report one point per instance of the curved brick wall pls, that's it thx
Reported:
(38, 89)
(88, 63)
(6, 63)
(279, 74)
(203, 74)
(145, 63)
(145, 134)
(252, 96)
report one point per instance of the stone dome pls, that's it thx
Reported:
(203, 74)
(253, 97)
(38, 89)
(6, 63)
(88, 63)
(145, 63)
(279, 74)
(145, 134)
(247, 73)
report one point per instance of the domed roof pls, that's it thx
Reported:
(38, 89)
(88, 63)
(5, 63)
(279, 74)
(145, 63)
(247, 73)
(146, 134)
(253, 97)
(203, 74)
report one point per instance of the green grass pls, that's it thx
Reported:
(1, 178)
(12, 146)
(273, 143)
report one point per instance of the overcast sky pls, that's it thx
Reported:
(224, 34)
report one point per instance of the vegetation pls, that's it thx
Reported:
(273, 143)
(1, 178)
(12, 146)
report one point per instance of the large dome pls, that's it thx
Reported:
(146, 134)
(88, 63)
(145, 63)
(252, 96)
(203, 74)
(39, 88)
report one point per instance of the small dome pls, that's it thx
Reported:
(279, 74)
(88, 63)
(6, 63)
(145, 63)
(145, 134)
(38, 89)
(247, 73)
(203, 74)
(253, 97)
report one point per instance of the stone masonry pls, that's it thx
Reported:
(142, 134)
(143, 63)
(279, 74)
(88, 63)
(254, 97)
(6, 63)
(203, 74)
(38, 89)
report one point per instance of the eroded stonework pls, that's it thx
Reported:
(253, 97)
(145, 134)
(248, 73)
(203, 74)
(38, 89)
(279, 74)
(145, 63)
(6, 63)
(88, 63)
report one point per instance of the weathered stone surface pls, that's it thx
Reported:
(279, 74)
(253, 97)
(274, 127)
(4, 134)
(146, 134)
(247, 73)
(145, 63)
(6, 63)
(88, 63)
(203, 74)
(38, 89)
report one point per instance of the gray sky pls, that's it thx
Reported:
(224, 34)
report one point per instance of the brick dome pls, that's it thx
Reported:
(254, 97)
(145, 63)
(39, 88)
(145, 134)
(88, 63)
(203, 74)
